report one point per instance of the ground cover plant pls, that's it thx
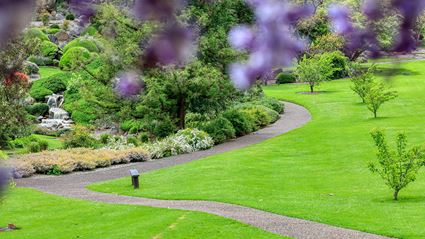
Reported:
(118, 221)
(294, 175)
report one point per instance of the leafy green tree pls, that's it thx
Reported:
(377, 95)
(397, 167)
(315, 70)
(196, 88)
(362, 81)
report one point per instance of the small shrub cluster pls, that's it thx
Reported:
(184, 141)
(47, 86)
(220, 129)
(29, 144)
(66, 161)
(80, 137)
(242, 122)
(31, 68)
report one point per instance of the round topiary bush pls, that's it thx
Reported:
(86, 42)
(74, 58)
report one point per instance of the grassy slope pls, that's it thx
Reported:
(43, 216)
(318, 172)
(46, 71)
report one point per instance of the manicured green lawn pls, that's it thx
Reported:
(46, 71)
(54, 143)
(42, 216)
(318, 172)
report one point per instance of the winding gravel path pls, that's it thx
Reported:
(73, 186)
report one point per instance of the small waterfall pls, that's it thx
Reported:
(58, 117)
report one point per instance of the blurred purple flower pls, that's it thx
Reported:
(161, 10)
(84, 9)
(241, 37)
(372, 9)
(271, 42)
(129, 84)
(5, 177)
(14, 16)
(341, 20)
(410, 10)
(175, 45)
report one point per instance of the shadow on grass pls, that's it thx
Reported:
(316, 92)
(395, 71)
(401, 199)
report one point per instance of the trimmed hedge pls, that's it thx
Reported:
(271, 103)
(39, 93)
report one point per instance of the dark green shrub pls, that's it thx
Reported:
(84, 42)
(163, 128)
(271, 103)
(127, 125)
(80, 137)
(70, 17)
(54, 170)
(39, 92)
(91, 31)
(74, 58)
(285, 78)
(55, 26)
(220, 129)
(38, 109)
(242, 122)
(144, 137)
(104, 138)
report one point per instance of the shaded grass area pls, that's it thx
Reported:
(318, 172)
(42, 216)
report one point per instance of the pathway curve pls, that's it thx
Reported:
(73, 186)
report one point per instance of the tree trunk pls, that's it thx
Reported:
(396, 194)
(375, 114)
(311, 88)
(182, 112)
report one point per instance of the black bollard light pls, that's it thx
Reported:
(135, 178)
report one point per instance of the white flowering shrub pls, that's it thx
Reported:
(185, 141)
(118, 143)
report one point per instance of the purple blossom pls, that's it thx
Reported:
(372, 9)
(175, 45)
(14, 16)
(241, 37)
(271, 42)
(340, 17)
(85, 9)
(129, 84)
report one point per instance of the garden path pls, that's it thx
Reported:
(74, 186)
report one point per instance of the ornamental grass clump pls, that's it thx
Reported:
(79, 159)
(397, 167)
